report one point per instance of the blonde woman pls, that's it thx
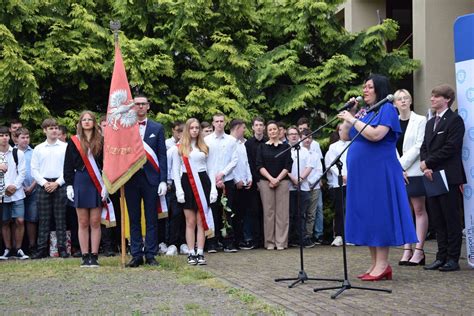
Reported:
(195, 188)
(408, 148)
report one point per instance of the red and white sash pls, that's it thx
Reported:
(161, 205)
(108, 213)
(204, 209)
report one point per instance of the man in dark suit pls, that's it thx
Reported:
(147, 184)
(441, 150)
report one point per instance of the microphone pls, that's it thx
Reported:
(377, 105)
(350, 104)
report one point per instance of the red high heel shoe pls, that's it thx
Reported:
(360, 276)
(387, 274)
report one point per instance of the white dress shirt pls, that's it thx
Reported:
(316, 155)
(15, 175)
(169, 159)
(242, 169)
(306, 161)
(199, 162)
(170, 142)
(222, 154)
(47, 161)
(334, 150)
(142, 128)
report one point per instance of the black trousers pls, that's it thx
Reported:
(447, 220)
(176, 222)
(217, 213)
(335, 195)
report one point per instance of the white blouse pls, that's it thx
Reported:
(199, 162)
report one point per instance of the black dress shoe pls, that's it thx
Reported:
(39, 254)
(152, 262)
(135, 262)
(451, 265)
(435, 265)
(63, 253)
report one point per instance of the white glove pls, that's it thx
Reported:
(162, 188)
(213, 196)
(180, 196)
(104, 194)
(70, 193)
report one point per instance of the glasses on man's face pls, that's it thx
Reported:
(141, 103)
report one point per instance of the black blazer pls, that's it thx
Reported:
(442, 148)
(73, 161)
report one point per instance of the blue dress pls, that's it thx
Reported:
(378, 210)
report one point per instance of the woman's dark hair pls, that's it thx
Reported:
(381, 86)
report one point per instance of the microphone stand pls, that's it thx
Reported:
(346, 285)
(302, 275)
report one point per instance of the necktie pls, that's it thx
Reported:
(142, 123)
(437, 119)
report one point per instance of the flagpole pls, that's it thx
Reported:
(122, 224)
(115, 27)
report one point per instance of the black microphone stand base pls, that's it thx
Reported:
(346, 285)
(302, 277)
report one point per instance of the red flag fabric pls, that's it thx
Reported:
(123, 147)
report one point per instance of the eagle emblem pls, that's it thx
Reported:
(119, 111)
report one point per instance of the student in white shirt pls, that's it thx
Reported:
(13, 207)
(334, 150)
(306, 165)
(223, 159)
(47, 169)
(316, 200)
(243, 182)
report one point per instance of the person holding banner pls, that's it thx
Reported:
(147, 184)
(378, 211)
(84, 186)
(442, 150)
(408, 148)
(195, 188)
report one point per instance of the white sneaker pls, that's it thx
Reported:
(183, 249)
(337, 242)
(6, 255)
(172, 251)
(21, 255)
(162, 248)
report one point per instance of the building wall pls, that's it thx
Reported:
(433, 44)
(432, 38)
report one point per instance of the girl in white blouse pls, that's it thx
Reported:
(195, 188)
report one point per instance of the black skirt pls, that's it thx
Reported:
(189, 199)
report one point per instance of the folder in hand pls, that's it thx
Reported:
(438, 186)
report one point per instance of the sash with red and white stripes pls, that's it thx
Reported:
(204, 209)
(161, 205)
(108, 213)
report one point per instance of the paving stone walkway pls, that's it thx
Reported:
(415, 291)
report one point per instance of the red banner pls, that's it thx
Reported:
(123, 148)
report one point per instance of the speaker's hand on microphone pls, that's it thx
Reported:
(346, 116)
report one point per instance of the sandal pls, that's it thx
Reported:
(405, 262)
(419, 263)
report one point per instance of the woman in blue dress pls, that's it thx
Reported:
(378, 210)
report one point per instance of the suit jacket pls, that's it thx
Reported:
(442, 148)
(410, 159)
(155, 137)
